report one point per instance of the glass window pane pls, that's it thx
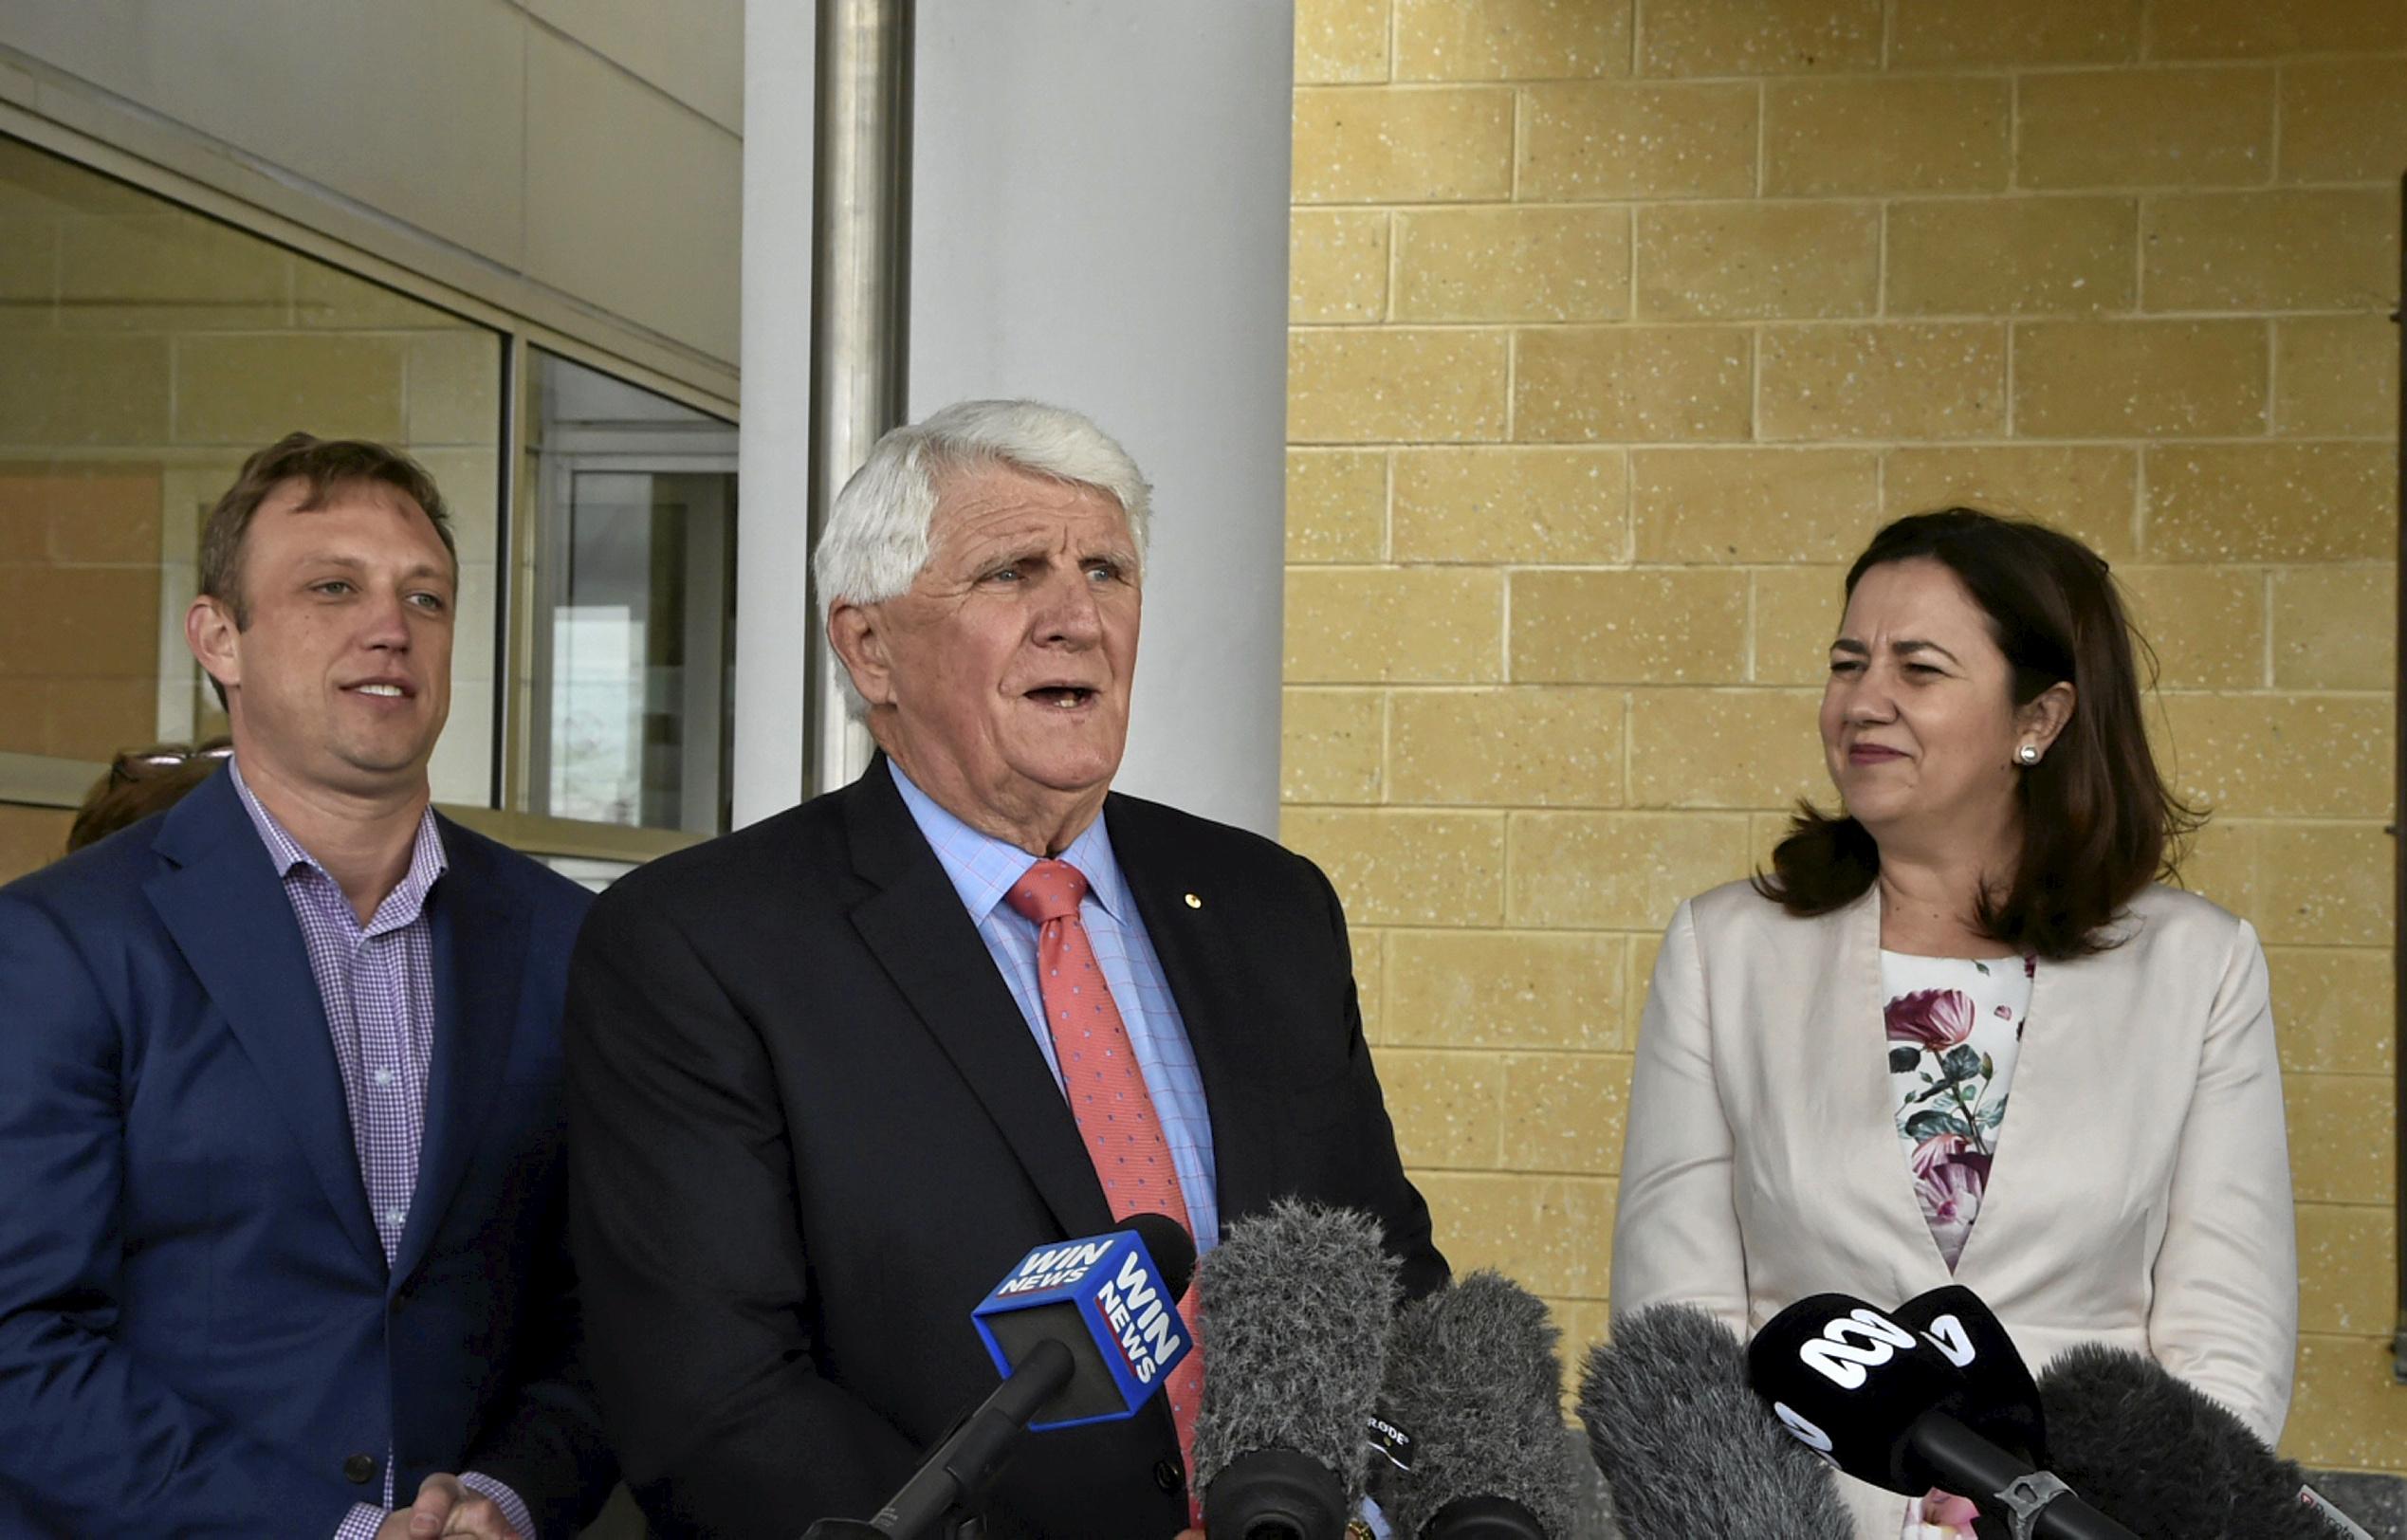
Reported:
(630, 642)
(144, 351)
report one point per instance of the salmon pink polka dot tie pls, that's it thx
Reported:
(1106, 1086)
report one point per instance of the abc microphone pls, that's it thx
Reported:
(1299, 1300)
(1687, 1449)
(2171, 1461)
(2001, 1402)
(1888, 1407)
(1083, 1332)
(1473, 1379)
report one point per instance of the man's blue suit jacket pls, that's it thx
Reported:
(199, 1332)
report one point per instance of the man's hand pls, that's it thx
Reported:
(445, 1507)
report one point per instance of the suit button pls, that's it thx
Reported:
(1168, 1477)
(360, 1469)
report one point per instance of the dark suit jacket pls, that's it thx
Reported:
(810, 1131)
(198, 1328)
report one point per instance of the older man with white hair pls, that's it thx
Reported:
(821, 1092)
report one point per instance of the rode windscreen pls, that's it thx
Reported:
(2000, 1399)
(1474, 1377)
(2167, 1459)
(1687, 1448)
(1298, 1300)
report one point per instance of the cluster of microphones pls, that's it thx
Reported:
(1447, 1413)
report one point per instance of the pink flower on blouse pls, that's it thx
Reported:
(1934, 1018)
(1950, 1176)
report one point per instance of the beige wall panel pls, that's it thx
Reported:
(2335, 628)
(1331, 744)
(1340, 42)
(2089, 490)
(2140, 378)
(1503, 40)
(1918, 381)
(2207, 624)
(2144, 128)
(2271, 502)
(415, 110)
(1759, 37)
(1507, 989)
(667, 259)
(1706, 507)
(2012, 256)
(1512, 263)
(1635, 141)
(1902, 134)
(2286, 250)
(1759, 261)
(2260, 29)
(1511, 505)
(1336, 504)
(2343, 119)
(1925, 34)
(1520, 747)
(2335, 1016)
(1420, 145)
(1337, 265)
(2344, 1268)
(693, 50)
(1632, 384)
(2336, 376)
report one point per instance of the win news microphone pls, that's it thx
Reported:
(2169, 1460)
(1888, 1407)
(1083, 1332)
(1473, 1378)
(1299, 1300)
(1687, 1448)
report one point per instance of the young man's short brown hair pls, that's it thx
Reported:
(327, 465)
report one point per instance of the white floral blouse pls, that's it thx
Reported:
(1954, 1028)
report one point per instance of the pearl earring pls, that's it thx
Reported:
(2027, 754)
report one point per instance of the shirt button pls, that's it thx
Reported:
(1168, 1477)
(360, 1469)
(396, 1216)
(384, 1078)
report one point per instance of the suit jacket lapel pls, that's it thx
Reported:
(917, 928)
(224, 903)
(480, 945)
(1217, 996)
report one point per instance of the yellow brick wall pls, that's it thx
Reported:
(1620, 325)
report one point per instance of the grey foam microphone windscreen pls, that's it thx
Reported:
(1295, 1305)
(1687, 1447)
(2163, 1456)
(1474, 1377)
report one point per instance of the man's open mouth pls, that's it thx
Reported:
(1065, 697)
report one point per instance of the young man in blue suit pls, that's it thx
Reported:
(281, 1195)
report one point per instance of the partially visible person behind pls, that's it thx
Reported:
(281, 1194)
(141, 781)
(1959, 1033)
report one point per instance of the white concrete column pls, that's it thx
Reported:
(1099, 219)
(773, 612)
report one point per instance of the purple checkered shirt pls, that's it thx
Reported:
(377, 982)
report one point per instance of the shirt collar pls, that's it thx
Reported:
(983, 867)
(400, 907)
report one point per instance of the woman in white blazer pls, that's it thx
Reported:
(1958, 1033)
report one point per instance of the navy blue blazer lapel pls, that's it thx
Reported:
(480, 949)
(224, 903)
(921, 934)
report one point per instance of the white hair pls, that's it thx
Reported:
(877, 539)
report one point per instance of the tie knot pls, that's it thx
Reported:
(1048, 891)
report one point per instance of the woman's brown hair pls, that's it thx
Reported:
(2099, 822)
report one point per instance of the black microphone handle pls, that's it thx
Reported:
(964, 1465)
(1482, 1517)
(1970, 1464)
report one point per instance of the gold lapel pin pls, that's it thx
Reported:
(1193, 902)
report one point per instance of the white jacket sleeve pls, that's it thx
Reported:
(1676, 1227)
(2224, 1315)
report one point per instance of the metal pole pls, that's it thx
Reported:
(2398, 847)
(859, 303)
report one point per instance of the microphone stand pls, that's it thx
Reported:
(956, 1475)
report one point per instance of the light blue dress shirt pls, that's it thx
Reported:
(983, 870)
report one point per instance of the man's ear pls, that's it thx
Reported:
(859, 642)
(211, 632)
